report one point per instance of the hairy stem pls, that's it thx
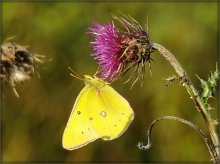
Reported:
(212, 152)
(193, 93)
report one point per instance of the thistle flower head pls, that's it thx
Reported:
(107, 47)
(117, 51)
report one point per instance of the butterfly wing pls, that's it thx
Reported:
(79, 131)
(110, 113)
(99, 112)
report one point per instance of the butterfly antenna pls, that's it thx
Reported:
(74, 74)
(97, 71)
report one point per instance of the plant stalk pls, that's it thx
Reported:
(193, 93)
(209, 145)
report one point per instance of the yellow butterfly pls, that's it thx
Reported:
(99, 112)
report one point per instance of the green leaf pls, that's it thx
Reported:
(209, 86)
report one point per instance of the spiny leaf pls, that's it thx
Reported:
(209, 86)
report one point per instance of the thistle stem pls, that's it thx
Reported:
(192, 125)
(193, 93)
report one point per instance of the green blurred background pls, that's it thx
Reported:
(32, 126)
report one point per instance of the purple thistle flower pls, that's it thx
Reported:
(107, 47)
(118, 51)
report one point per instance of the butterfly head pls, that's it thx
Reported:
(94, 81)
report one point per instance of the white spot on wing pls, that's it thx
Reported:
(103, 114)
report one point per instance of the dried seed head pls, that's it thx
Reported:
(17, 64)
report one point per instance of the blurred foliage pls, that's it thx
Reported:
(32, 125)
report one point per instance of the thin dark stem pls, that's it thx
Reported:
(212, 152)
(192, 91)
